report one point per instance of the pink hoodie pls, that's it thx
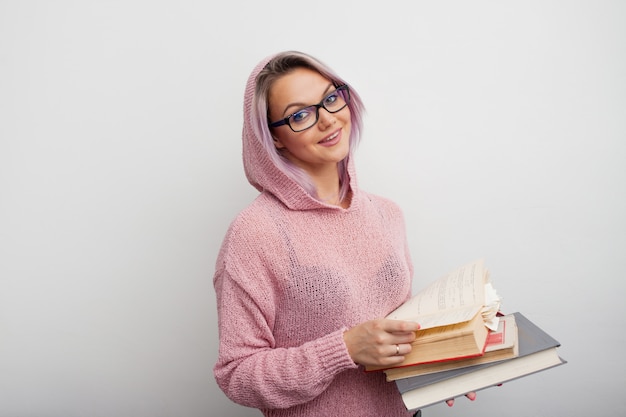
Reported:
(292, 275)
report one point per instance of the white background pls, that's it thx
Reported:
(499, 127)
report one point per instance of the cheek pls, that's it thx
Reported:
(282, 140)
(347, 126)
(346, 120)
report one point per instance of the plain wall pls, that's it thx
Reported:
(499, 128)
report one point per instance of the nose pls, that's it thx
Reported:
(325, 119)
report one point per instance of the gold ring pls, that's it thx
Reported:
(397, 349)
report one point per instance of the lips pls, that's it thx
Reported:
(331, 139)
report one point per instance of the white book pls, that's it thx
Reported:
(494, 375)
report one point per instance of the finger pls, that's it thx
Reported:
(471, 395)
(396, 352)
(392, 350)
(401, 326)
(401, 349)
(450, 402)
(402, 338)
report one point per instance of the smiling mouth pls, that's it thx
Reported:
(331, 137)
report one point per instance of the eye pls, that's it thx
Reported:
(301, 115)
(331, 98)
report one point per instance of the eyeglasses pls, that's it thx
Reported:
(306, 118)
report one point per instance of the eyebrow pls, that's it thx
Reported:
(303, 105)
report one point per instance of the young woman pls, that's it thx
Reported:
(307, 271)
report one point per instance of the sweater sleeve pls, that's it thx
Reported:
(251, 370)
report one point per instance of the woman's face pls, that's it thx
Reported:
(324, 144)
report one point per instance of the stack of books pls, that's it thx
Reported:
(465, 344)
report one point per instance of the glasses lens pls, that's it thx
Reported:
(303, 119)
(337, 100)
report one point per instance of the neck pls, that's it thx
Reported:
(329, 190)
(327, 184)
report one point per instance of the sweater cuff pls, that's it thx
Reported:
(333, 353)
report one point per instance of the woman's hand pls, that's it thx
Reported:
(380, 342)
(384, 342)
(470, 395)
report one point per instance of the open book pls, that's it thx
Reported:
(455, 314)
(501, 344)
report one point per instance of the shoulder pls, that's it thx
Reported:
(384, 205)
(252, 230)
(256, 220)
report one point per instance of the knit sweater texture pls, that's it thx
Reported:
(293, 274)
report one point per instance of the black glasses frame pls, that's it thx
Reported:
(317, 106)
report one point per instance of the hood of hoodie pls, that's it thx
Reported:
(261, 171)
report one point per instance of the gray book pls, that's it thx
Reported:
(537, 352)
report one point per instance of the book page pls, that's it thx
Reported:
(453, 298)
